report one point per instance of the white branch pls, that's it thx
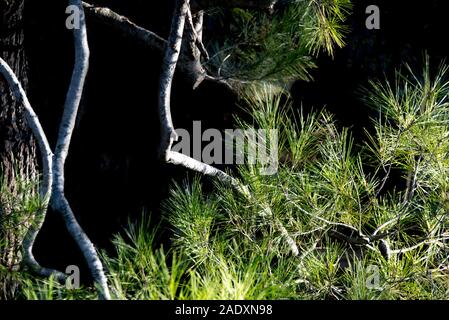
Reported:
(168, 133)
(46, 185)
(416, 246)
(58, 200)
(190, 68)
(180, 159)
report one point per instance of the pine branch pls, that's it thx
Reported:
(168, 133)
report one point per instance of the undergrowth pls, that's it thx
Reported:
(357, 237)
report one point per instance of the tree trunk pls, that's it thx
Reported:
(17, 146)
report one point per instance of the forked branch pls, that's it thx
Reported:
(168, 133)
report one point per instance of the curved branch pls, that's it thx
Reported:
(187, 65)
(168, 133)
(180, 159)
(46, 185)
(143, 36)
(58, 200)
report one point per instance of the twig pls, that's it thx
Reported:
(197, 38)
(425, 242)
(411, 181)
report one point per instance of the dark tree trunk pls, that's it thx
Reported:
(15, 137)
(17, 146)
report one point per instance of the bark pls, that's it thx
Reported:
(17, 146)
(125, 26)
(168, 134)
(47, 158)
(71, 106)
(189, 61)
(193, 47)
(15, 137)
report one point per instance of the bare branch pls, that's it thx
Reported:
(425, 242)
(177, 158)
(46, 185)
(168, 133)
(197, 34)
(125, 26)
(58, 200)
(34, 124)
(145, 37)
(188, 67)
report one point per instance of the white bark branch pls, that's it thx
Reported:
(58, 200)
(180, 159)
(425, 242)
(187, 65)
(168, 133)
(47, 177)
(143, 36)
(126, 26)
